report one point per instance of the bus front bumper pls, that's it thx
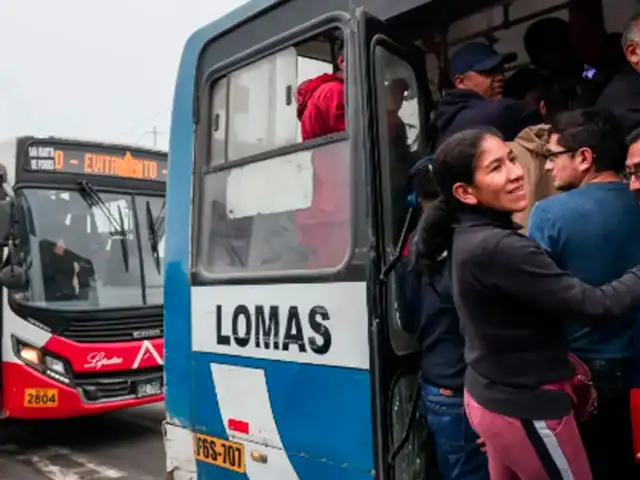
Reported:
(28, 394)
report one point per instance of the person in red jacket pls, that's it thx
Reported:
(321, 103)
(324, 226)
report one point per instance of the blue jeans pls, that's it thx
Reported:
(459, 457)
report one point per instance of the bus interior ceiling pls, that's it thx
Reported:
(319, 48)
(500, 23)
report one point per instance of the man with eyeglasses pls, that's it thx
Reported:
(622, 95)
(633, 162)
(633, 176)
(592, 229)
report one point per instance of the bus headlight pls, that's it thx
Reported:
(42, 361)
(55, 365)
(30, 354)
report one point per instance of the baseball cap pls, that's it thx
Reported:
(478, 57)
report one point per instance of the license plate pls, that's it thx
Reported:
(41, 397)
(149, 388)
(222, 453)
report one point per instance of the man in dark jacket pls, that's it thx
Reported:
(622, 95)
(478, 75)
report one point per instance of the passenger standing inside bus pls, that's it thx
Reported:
(587, 151)
(633, 172)
(622, 95)
(530, 148)
(547, 42)
(632, 165)
(477, 71)
(430, 315)
(321, 102)
(512, 301)
(323, 228)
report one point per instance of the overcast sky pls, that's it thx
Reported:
(102, 70)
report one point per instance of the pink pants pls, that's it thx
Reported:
(527, 449)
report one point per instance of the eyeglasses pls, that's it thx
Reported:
(631, 172)
(552, 155)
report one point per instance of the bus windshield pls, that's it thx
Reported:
(85, 249)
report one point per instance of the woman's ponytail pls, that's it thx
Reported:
(433, 238)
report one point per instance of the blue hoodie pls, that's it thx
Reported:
(461, 109)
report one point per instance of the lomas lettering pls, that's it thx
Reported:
(264, 325)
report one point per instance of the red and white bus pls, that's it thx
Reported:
(82, 278)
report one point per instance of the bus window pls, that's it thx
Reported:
(264, 208)
(153, 272)
(261, 113)
(218, 132)
(103, 223)
(399, 142)
(399, 116)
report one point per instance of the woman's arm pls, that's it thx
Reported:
(523, 269)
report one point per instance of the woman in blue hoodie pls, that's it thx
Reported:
(427, 311)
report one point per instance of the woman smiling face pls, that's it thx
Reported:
(498, 179)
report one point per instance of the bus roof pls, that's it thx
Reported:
(422, 11)
(87, 142)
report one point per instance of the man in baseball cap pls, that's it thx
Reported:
(477, 72)
(478, 67)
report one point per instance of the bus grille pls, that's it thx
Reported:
(115, 329)
(114, 385)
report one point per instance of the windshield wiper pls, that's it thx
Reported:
(159, 224)
(155, 228)
(94, 199)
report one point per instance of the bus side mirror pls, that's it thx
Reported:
(13, 278)
(6, 220)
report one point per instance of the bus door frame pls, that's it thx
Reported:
(386, 365)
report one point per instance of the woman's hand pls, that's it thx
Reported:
(482, 445)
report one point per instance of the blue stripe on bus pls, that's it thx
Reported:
(212, 472)
(311, 469)
(320, 412)
(306, 468)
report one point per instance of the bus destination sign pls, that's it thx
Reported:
(105, 162)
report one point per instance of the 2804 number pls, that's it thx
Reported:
(41, 397)
(225, 454)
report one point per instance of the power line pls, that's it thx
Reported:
(154, 132)
(141, 123)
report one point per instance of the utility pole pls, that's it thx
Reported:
(154, 132)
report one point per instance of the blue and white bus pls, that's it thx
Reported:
(284, 355)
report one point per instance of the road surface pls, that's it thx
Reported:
(124, 445)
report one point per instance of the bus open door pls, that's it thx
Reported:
(394, 103)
